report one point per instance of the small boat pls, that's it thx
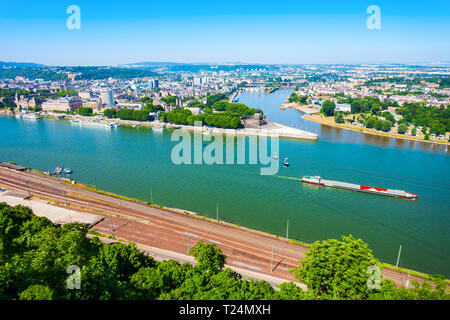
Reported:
(75, 122)
(96, 123)
(286, 163)
(67, 171)
(58, 170)
(275, 156)
(18, 116)
(30, 116)
(158, 128)
(207, 131)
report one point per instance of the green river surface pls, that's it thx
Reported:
(137, 161)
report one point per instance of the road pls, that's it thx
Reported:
(172, 230)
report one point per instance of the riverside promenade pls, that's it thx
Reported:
(271, 129)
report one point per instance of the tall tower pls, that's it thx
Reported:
(107, 97)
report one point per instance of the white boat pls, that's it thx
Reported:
(30, 116)
(207, 131)
(275, 156)
(97, 124)
(93, 123)
(18, 116)
(158, 128)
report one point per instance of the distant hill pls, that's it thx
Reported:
(192, 67)
(151, 64)
(21, 64)
(97, 73)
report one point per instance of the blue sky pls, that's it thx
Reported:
(116, 32)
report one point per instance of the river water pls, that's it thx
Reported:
(137, 162)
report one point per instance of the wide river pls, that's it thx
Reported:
(137, 162)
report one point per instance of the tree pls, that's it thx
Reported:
(170, 100)
(328, 108)
(124, 260)
(209, 258)
(370, 122)
(293, 97)
(378, 124)
(303, 99)
(84, 111)
(211, 99)
(336, 269)
(375, 110)
(339, 118)
(290, 291)
(437, 128)
(110, 113)
(162, 116)
(434, 290)
(36, 292)
(146, 100)
(414, 131)
(386, 126)
(402, 128)
(355, 106)
(388, 116)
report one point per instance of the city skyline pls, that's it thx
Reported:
(202, 32)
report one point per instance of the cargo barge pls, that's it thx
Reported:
(355, 187)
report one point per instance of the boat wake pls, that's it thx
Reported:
(289, 178)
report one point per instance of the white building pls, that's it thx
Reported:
(198, 81)
(62, 104)
(343, 107)
(85, 94)
(107, 97)
(130, 105)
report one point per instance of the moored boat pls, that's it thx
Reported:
(158, 128)
(30, 116)
(207, 131)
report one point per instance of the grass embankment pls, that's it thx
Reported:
(94, 189)
(330, 122)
